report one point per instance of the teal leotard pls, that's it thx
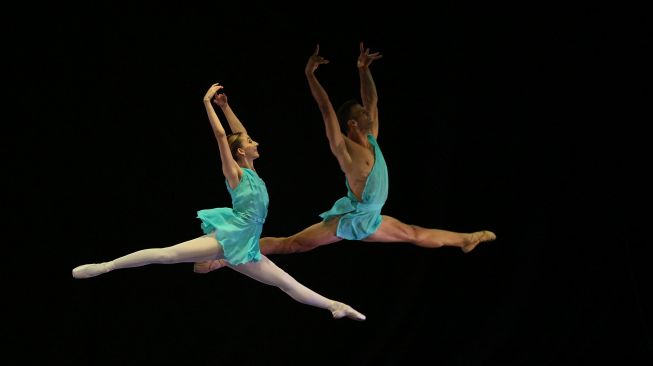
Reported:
(239, 228)
(359, 219)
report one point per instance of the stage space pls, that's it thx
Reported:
(488, 120)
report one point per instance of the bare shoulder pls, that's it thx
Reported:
(357, 148)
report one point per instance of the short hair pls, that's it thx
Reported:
(344, 114)
(235, 143)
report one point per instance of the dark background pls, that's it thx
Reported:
(522, 120)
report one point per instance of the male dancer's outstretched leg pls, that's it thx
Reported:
(393, 230)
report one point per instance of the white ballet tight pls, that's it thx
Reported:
(207, 248)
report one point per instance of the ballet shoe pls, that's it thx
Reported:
(89, 270)
(340, 310)
(479, 237)
(208, 266)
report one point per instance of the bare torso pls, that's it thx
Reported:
(362, 161)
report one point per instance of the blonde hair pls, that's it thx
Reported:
(235, 143)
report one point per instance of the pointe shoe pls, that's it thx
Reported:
(340, 310)
(479, 237)
(89, 270)
(208, 266)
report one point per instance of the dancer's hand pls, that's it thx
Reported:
(366, 58)
(220, 99)
(314, 61)
(211, 92)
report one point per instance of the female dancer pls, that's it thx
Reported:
(231, 234)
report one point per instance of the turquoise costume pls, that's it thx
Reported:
(239, 228)
(358, 220)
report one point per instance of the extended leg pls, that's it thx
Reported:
(203, 248)
(393, 230)
(267, 272)
(310, 238)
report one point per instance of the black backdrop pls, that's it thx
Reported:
(489, 119)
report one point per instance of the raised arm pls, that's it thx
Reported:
(234, 123)
(230, 168)
(368, 88)
(336, 139)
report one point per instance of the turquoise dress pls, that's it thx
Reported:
(359, 219)
(239, 228)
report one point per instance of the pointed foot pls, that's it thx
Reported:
(340, 310)
(478, 238)
(89, 270)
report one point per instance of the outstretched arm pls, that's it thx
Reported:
(234, 123)
(230, 168)
(336, 139)
(368, 88)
